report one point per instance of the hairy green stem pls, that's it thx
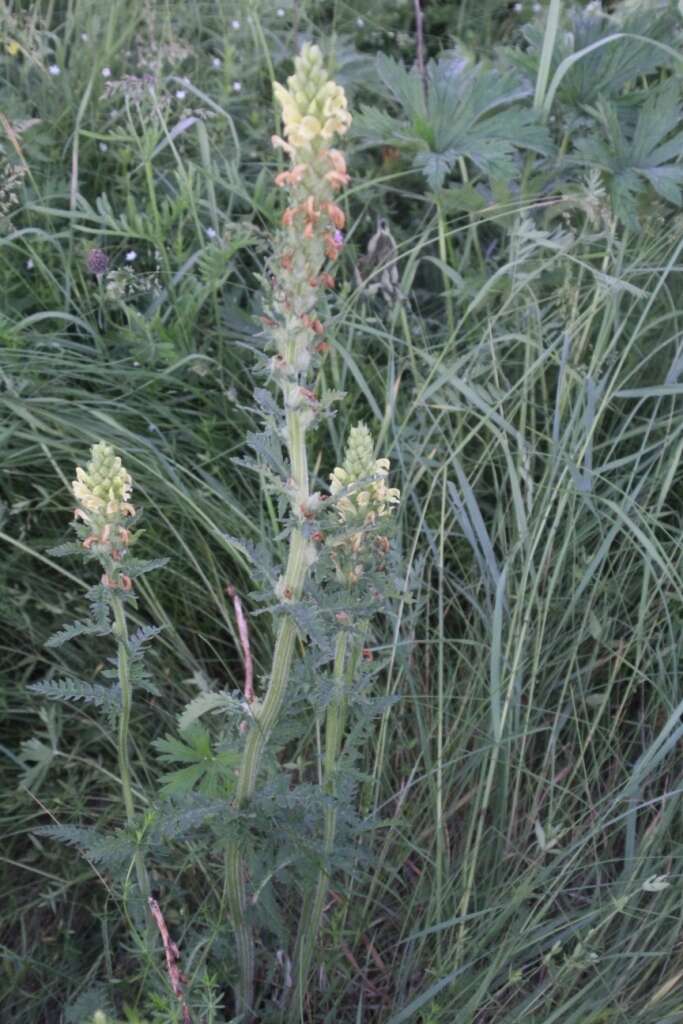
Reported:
(312, 912)
(265, 719)
(121, 632)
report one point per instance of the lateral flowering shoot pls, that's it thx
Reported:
(361, 498)
(102, 491)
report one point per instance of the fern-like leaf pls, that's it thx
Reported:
(76, 689)
(138, 567)
(206, 702)
(88, 628)
(110, 851)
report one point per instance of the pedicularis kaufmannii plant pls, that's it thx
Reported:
(314, 111)
(105, 520)
(330, 584)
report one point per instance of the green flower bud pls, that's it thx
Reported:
(359, 459)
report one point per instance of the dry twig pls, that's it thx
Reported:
(420, 44)
(244, 640)
(172, 952)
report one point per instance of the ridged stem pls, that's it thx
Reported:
(264, 723)
(121, 632)
(314, 903)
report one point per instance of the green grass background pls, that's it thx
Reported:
(526, 864)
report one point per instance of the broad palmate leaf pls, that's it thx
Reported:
(210, 770)
(602, 72)
(631, 156)
(465, 111)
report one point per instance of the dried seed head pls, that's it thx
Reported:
(97, 262)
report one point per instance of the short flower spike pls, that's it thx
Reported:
(103, 489)
(362, 478)
(314, 107)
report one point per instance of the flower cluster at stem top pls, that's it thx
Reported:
(102, 491)
(314, 108)
(361, 498)
(362, 478)
(314, 111)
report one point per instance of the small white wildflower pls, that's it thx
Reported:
(280, 12)
(84, 37)
(656, 883)
(103, 147)
(180, 94)
(235, 24)
(106, 72)
(29, 264)
(131, 256)
(54, 70)
(237, 87)
(216, 62)
(136, 363)
(210, 233)
(517, 8)
(537, 8)
(360, 22)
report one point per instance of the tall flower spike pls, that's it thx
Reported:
(314, 108)
(314, 111)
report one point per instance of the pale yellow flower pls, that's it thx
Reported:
(361, 482)
(103, 489)
(313, 107)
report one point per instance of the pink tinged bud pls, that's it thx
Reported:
(279, 143)
(337, 180)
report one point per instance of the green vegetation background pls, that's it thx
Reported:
(525, 859)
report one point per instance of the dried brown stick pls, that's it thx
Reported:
(420, 45)
(172, 952)
(243, 630)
